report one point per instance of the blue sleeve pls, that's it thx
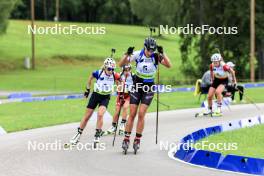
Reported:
(96, 74)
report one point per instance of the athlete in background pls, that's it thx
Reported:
(219, 79)
(126, 77)
(103, 87)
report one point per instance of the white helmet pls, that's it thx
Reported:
(216, 57)
(110, 63)
(230, 64)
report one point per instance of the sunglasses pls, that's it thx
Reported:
(110, 69)
(150, 50)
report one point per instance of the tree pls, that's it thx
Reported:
(233, 47)
(5, 10)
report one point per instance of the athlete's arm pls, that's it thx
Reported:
(124, 60)
(233, 75)
(89, 81)
(212, 73)
(166, 61)
(88, 85)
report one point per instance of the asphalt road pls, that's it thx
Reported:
(17, 160)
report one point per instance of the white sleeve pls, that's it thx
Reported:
(134, 56)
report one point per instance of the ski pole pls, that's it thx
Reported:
(157, 115)
(249, 99)
(168, 106)
(119, 112)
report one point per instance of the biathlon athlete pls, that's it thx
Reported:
(103, 87)
(126, 77)
(142, 93)
(219, 79)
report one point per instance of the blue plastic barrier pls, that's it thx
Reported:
(61, 97)
(197, 135)
(206, 158)
(184, 154)
(242, 164)
(48, 98)
(31, 99)
(19, 95)
(213, 130)
(74, 96)
(187, 138)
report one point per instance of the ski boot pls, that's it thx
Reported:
(136, 145)
(110, 131)
(125, 145)
(75, 139)
(121, 129)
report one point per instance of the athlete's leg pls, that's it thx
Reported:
(141, 118)
(100, 115)
(125, 109)
(219, 96)
(218, 93)
(86, 117)
(241, 92)
(115, 118)
(210, 97)
(131, 118)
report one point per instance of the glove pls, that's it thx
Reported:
(160, 49)
(86, 93)
(158, 57)
(130, 50)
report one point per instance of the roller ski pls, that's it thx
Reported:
(210, 113)
(136, 145)
(125, 145)
(75, 139)
(121, 129)
(110, 131)
(97, 137)
(206, 113)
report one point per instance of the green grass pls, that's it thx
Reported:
(21, 116)
(250, 141)
(65, 61)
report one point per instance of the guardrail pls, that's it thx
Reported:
(215, 160)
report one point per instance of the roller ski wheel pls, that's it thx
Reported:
(96, 142)
(97, 136)
(136, 145)
(125, 146)
(69, 145)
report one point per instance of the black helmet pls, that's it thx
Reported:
(150, 44)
